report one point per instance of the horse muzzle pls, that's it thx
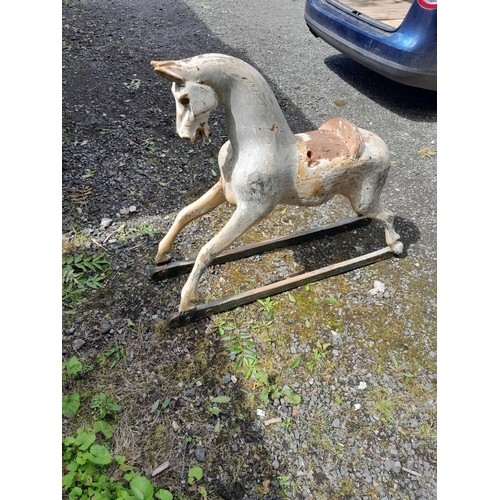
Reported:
(194, 134)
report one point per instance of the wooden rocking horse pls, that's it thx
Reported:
(263, 163)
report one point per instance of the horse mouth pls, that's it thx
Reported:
(202, 132)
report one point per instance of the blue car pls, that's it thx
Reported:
(406, 53)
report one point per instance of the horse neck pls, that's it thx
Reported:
(253, 115)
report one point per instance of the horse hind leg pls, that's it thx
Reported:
(366, 201)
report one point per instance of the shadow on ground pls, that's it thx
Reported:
(411, 102)
(344, 246)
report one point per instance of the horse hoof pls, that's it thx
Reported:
(397, 247)
(187, 300)
(164, 258)
(184, 307)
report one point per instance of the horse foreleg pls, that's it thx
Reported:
(210, 200)
(242, 219)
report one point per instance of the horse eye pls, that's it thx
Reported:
(184, 101)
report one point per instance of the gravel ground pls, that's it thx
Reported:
(358, 349)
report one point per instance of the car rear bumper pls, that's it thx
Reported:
(407, 54)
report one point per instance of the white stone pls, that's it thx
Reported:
(378, 287)
(106, 222)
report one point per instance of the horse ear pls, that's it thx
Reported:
(167, 69)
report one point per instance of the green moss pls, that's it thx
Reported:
(311, 310)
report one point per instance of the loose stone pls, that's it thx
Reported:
(105, 327)
(77, 343)
(199, 453)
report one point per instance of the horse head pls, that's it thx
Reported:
(193, 100)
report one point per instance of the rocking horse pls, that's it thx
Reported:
(263, 164)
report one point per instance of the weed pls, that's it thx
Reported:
(381, 403)
(72, 367)
(71, 404)
(345, 487)
(428, 431)
(87, 367)
(190, 439)
(104, 405)
(120, 230)
(394, 362)
(222, 326)
(194, 475)
(319, 353)
(399, 368)
(81, 273)
(149, 146)
(238, 344)
(155, 405)
(219, 399)
(88, 173)
(283, 480)
(85, 469)
(214, 410)
(260, 325)
(267, 306)
(287, 423)
(217, 426)
(290, 396)
(123, 230)
(116, 353)
(144, 229)
(133, 84)
(272, 391)
(203, 492)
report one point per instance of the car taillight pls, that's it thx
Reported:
(428, 4)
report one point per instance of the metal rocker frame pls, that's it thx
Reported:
(176, 268)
